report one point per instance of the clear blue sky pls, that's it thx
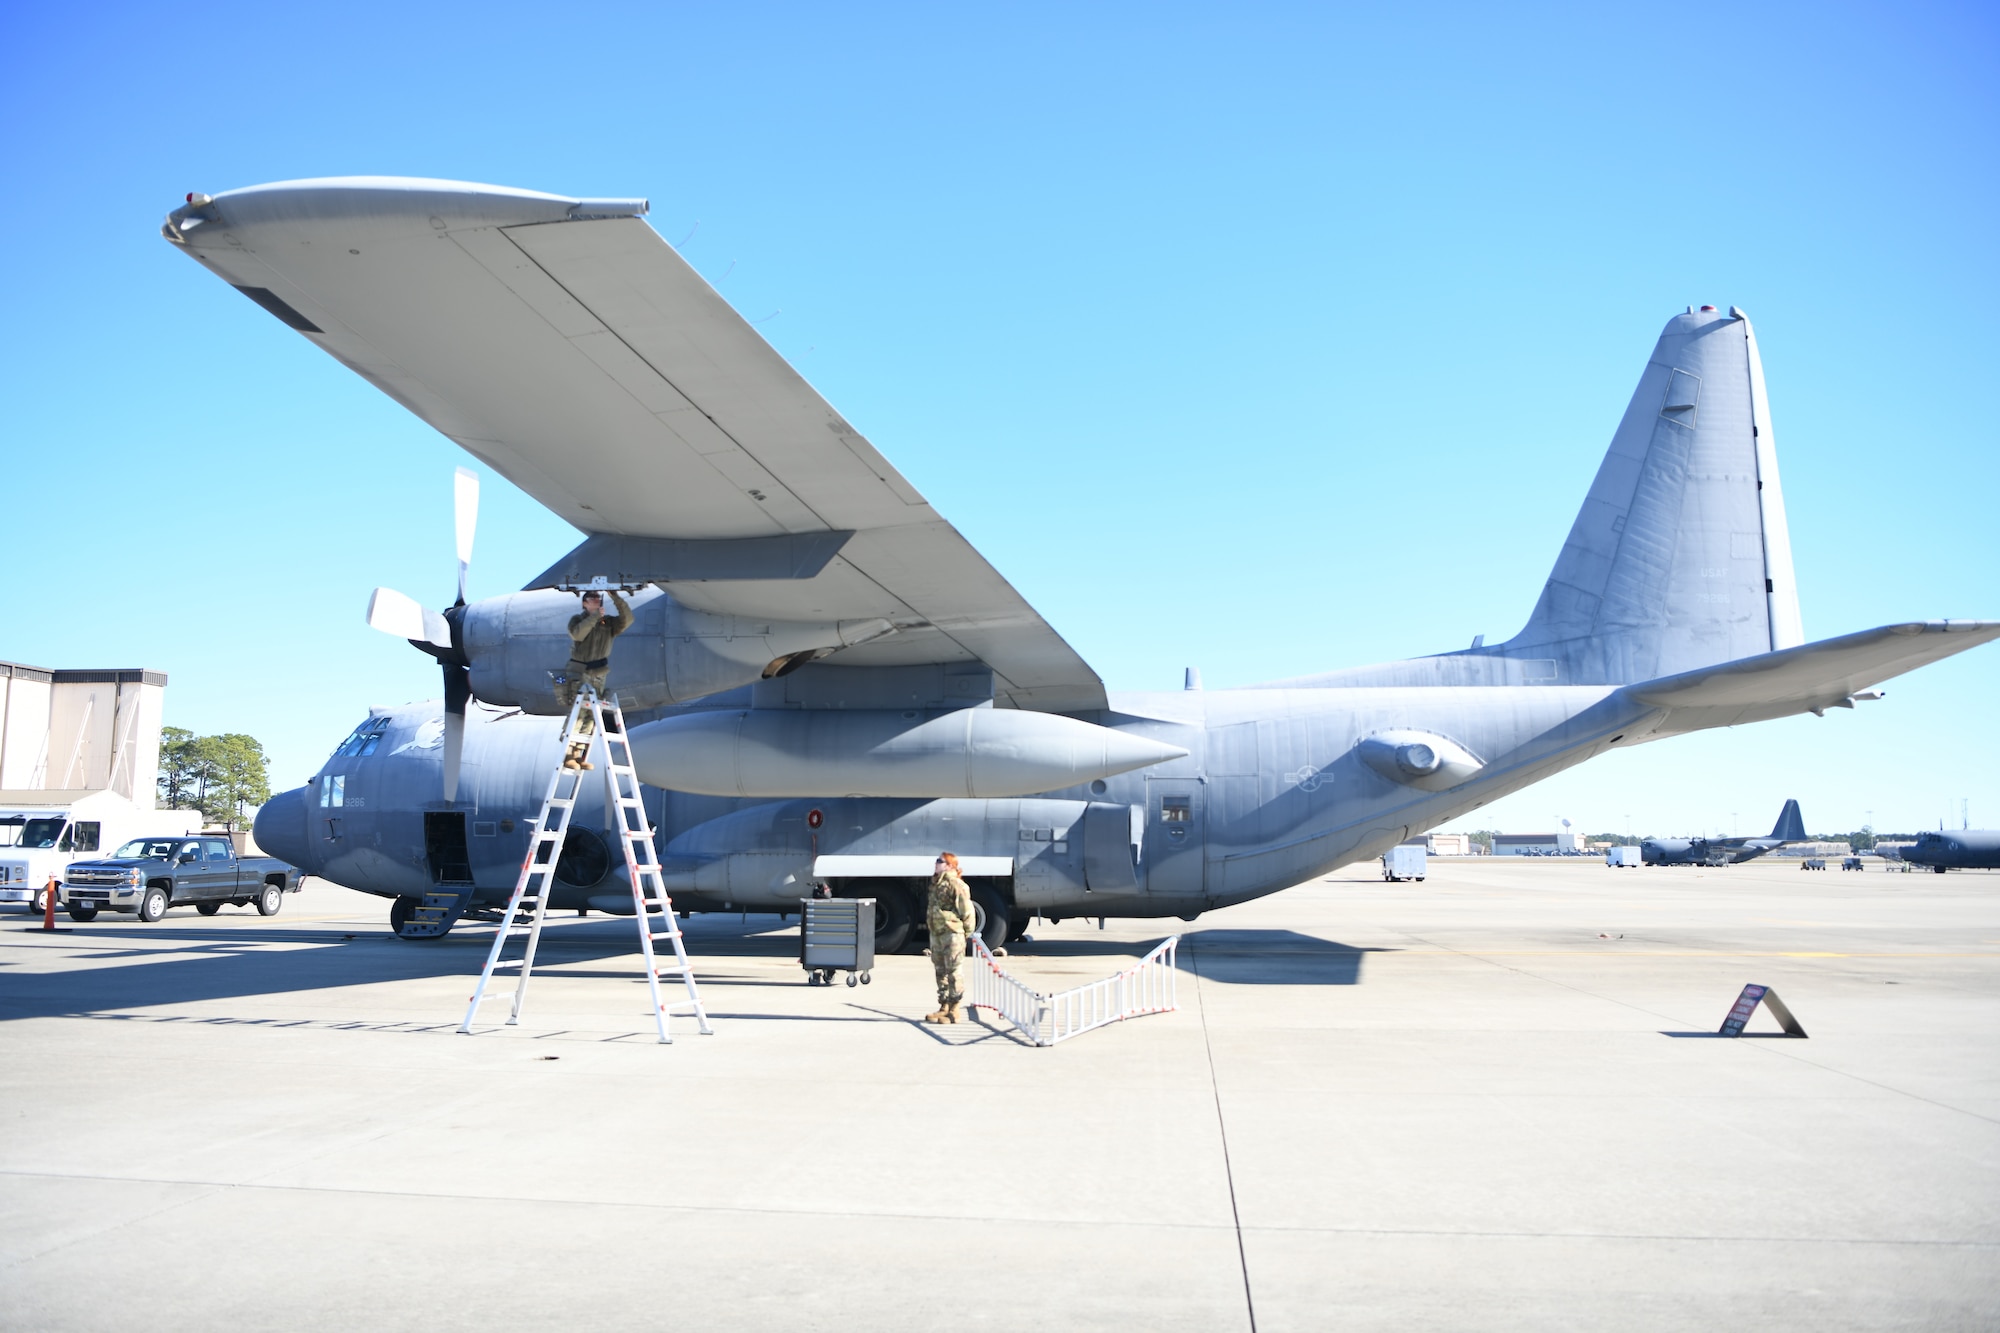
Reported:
(1269, 341)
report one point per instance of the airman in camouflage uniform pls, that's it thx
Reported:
(951, 919)
(591, 633)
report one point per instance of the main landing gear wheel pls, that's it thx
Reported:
(991, 911)
(208, 908)
(895, 915)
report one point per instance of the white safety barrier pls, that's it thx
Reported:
(1147, 987)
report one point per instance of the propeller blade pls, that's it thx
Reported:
(394, 613)
(457, 693)
(465, 512)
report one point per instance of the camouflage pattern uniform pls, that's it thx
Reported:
(950, 919)
(590, 655)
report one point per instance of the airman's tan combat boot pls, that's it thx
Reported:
(951, 1012)
(943, 1015)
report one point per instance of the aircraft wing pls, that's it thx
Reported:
(1811, 677)
(567, 346)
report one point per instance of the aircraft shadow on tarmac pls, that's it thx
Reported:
(1239, 957)
(174, 963)
(1273, 958)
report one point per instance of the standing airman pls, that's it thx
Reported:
(950, 919)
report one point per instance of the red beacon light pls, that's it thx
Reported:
(1708, 310)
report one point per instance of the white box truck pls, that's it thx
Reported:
(1403, 862)
(41, 832)
(1624, 855)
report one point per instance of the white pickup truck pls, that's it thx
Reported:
(38, 842)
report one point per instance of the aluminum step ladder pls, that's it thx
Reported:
(529, 903)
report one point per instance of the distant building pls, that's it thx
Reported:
(1536, 844)
(1816, 849)
(1445, 844)
(80, 731)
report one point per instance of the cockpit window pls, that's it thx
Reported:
(364, 740)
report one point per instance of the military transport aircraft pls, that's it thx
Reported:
(1724, 851)
(1955, 849)
(830, 684)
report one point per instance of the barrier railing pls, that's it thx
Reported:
(1149, 986)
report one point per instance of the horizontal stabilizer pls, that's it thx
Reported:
(1809, 678)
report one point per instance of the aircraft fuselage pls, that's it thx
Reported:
(1278, 785)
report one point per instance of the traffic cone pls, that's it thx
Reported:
(49, 910)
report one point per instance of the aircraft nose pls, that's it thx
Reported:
(281, 827)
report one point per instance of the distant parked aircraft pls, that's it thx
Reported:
(1956, 849)
(1724, 851)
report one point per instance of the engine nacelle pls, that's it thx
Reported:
(1420, 759)
(670, 655)
(980, 752)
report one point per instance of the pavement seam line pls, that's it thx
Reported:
(1222, 1130)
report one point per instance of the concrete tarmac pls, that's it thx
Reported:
(1493, 1100)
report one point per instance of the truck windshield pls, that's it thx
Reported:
(159, 849)
(43, 832)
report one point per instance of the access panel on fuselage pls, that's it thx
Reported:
(1175, 815)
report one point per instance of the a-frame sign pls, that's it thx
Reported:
(1746, 1005)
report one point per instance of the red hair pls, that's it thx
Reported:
(950, 860)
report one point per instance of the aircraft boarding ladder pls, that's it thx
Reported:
(622, 800)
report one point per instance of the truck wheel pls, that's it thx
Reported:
(991, 911)
(41, 905)
(208, 908)
(82, 911)
(154, 905)
(270, 900)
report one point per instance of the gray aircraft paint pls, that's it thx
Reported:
(563, 342)
(1956, 849)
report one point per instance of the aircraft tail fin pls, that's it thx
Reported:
(1680, 557)
(1790, 826)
